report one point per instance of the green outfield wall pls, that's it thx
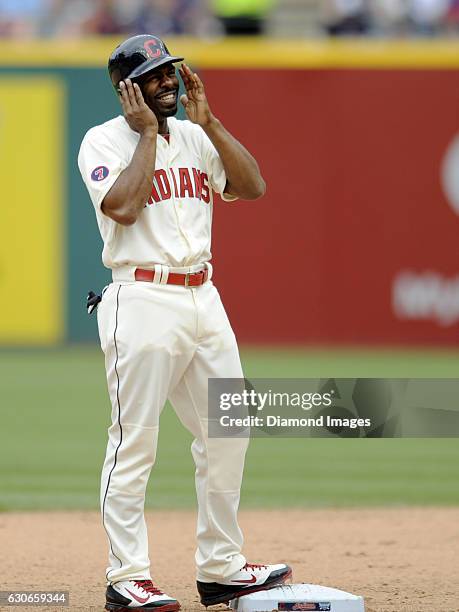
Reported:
(85, 101)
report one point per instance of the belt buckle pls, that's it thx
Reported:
(188, 275)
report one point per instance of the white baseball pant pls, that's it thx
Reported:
(160, 342)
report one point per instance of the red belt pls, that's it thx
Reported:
(191, 279)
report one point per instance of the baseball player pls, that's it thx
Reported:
(162, 325)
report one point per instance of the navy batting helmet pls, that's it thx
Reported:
(136, 56)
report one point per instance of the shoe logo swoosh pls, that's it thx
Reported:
(141, 600)
(251, 581)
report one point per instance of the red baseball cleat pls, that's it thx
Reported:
(127, 595)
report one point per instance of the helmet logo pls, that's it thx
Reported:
(148, 44)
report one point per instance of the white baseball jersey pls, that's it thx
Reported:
(174, 228)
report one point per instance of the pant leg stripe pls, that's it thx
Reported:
(119, 423)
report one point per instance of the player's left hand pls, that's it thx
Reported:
(195, 102)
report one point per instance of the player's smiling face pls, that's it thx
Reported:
(160, 90)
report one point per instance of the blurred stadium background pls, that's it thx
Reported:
(348, 267)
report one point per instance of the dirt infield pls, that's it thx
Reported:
(401, 560)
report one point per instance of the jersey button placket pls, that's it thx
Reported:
(176, 202)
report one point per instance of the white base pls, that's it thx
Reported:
(299, 597)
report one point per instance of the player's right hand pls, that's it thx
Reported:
(139, 116)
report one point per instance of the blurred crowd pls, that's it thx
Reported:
(77, 18)
(390, 17)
